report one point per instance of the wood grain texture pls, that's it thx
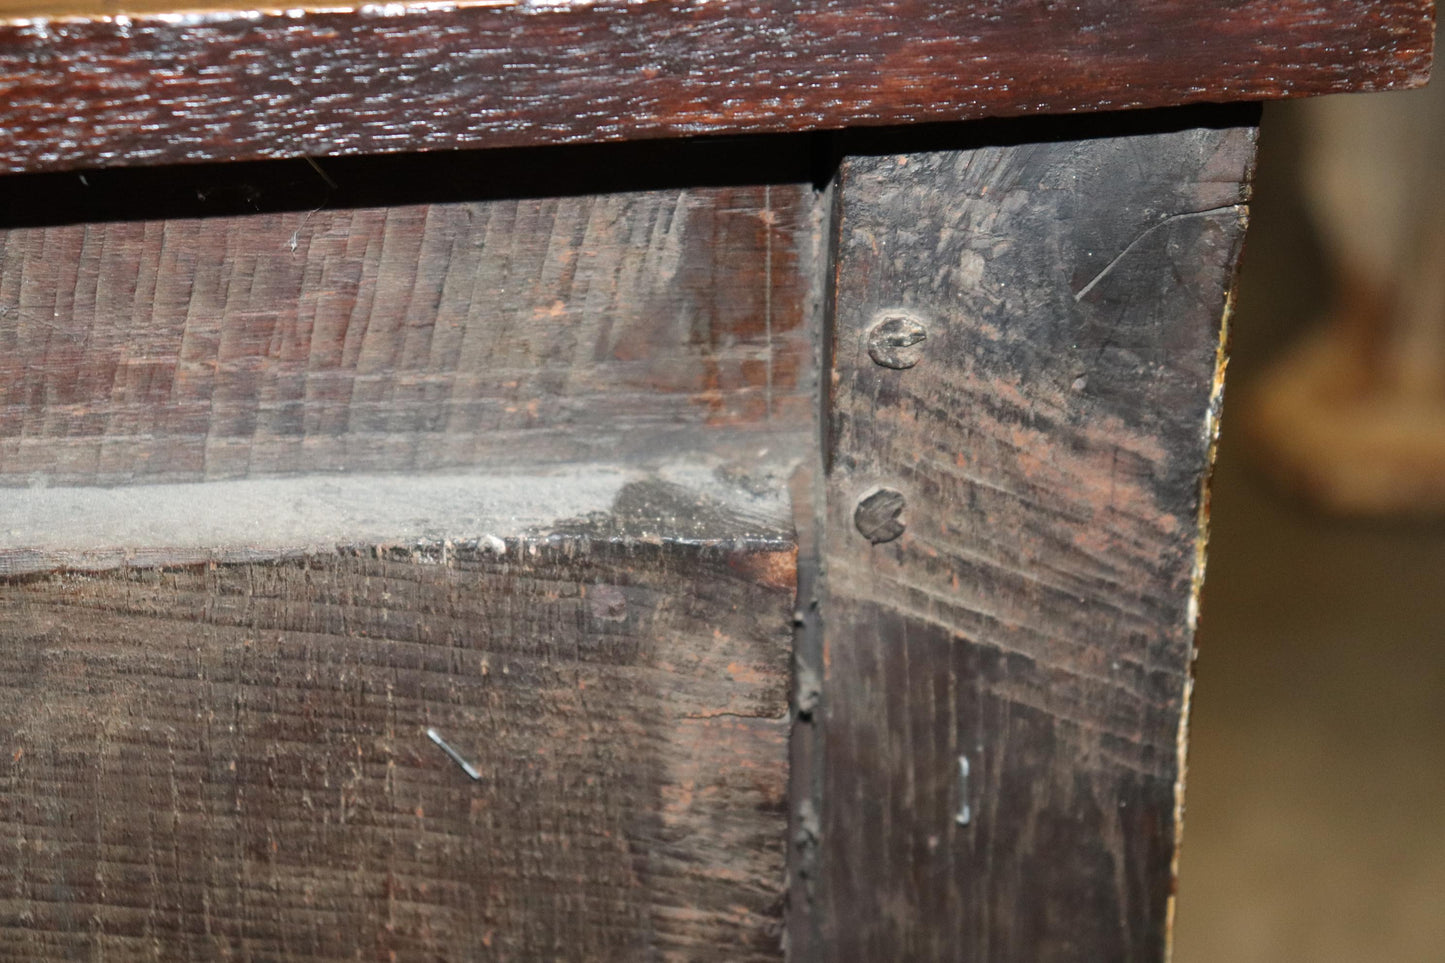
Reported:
(151, 88)
(230, 762)
(1036, 615)
(529, 331)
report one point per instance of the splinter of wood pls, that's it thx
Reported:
(456, 757)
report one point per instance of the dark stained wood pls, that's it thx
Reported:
(83, 87)
(1036, 614)
(231, 762)
(531, 331)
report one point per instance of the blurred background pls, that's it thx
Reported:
(1315, 828)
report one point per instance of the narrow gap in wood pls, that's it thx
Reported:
(809, 502)
(300, 184)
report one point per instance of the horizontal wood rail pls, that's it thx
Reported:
(85, 84)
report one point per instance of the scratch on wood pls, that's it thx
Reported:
(452, 754)
(1147, 232)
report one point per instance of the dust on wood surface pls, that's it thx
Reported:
(85, 84)
(233, 761)
(1033, 621)
(531, 331)
(89, 528)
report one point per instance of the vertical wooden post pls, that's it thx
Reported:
(1025, 376)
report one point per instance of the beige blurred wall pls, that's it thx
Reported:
(1315, 825)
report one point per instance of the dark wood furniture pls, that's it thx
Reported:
(696, 548)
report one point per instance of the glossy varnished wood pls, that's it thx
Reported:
(1035, 616)
(82, 86)
(231, 761)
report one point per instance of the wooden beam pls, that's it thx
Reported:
(622, 327)
(82, 84)
(1026, 372)
(295, 474)
(565, 745)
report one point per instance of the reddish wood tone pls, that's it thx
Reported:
(610, 327)
(230, 762)
(99, 90)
